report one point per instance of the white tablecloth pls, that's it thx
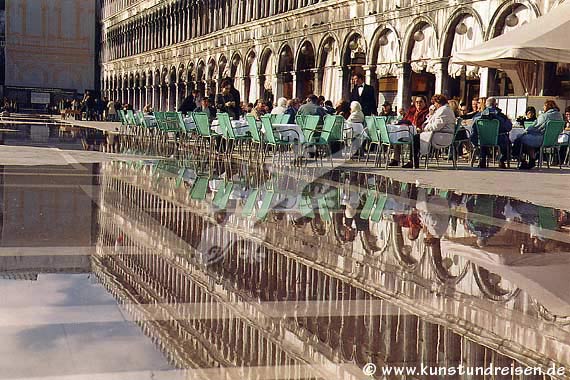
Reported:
(353, 130)
(240, 127)
(399, 133)
(150, 120)
(564, 137)
(289, 132)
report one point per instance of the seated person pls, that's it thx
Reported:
(416, 116)
(529, 116)
(387, 110)
(312, 107)
(534, 135)
(439, 129)
(356, 114)
(207, 109)
(492, 112)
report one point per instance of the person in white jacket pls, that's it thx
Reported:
(440, 126)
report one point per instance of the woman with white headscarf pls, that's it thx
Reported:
(356, 114)
(281, 107)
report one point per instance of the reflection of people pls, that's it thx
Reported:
(484, 206)
(434, 213)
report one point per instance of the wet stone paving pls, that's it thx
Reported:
(206, 269)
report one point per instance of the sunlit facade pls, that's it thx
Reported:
(157, 52)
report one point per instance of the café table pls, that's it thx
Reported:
(290, 132)
(240, 127)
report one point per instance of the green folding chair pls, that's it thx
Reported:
(552, 130)
(265, 205)
(369, 204)
(379, 207)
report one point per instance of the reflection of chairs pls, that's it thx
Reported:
(199, 189)
(247, 209)
(379, 207)
(368, 205)
(553, 129)
(222, 197)
(265, 205)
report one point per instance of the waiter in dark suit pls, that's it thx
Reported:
(364, 94)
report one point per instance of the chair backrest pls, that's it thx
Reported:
(382, 130)
(372, 128)
(268, 127)
(122, 117)
(528, 124)
(226, 125)
(300, 120)
(181, 123)
(282, 119)
(308, 126)
(202, 123)
(171, 122)
(253, 130)
(332, 128)
(488, 131)
(131, 117)
(551, 132)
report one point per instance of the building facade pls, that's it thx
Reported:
(49, 50)
(155, 52)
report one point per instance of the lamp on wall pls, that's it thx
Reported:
(305, 50)
(328, 47)
(461, 28)
(383, 40)
(512, 20)
(419, 36)
(235, 61)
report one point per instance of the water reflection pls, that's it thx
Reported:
(308, 273)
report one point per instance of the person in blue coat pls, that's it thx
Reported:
(534, 135)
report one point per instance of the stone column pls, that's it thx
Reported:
(370, 73)
(404, 91)
(486, 82)
(294, 75)
(441, 76)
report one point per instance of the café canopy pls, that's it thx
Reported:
(519, 51)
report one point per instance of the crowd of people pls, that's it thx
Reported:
(92, 108)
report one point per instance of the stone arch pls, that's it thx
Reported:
(498, 19)
(305, 68)
(284, 69)
(266, 74)
(237, 72)
(328, 60)
(251, 71)
(211, 78)
(416, 25)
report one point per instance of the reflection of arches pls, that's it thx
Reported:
(328, 75)
(284, 70)
(490, 285)
(550, 317)
(442, 265)
(305, 70)
(408, 257)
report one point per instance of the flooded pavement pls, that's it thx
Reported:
(193, 269)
